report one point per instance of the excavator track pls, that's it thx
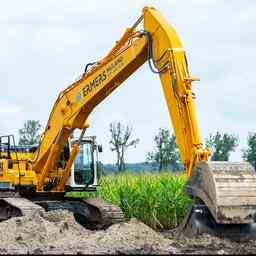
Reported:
(12, 205)
(92, 213)
(104, 213)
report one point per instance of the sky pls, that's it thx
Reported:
(45, 46)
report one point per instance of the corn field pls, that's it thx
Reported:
(157, 200)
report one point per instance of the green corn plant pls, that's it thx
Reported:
(157, 200)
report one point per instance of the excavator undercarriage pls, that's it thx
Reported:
(92, 213)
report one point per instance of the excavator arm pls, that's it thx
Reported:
(168, 56)
(159, 44)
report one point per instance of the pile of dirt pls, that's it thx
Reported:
(57, 232)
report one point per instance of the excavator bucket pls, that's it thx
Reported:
(225, 200)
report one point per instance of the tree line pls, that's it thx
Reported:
(165, 151)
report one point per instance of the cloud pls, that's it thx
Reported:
(11, 118)
(8, 109)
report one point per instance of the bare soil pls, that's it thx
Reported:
(57, 232)
(207, 244)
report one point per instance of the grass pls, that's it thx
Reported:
(157, 200)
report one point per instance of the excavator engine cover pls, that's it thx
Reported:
(225, 199)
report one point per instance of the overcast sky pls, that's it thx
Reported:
(45, 45)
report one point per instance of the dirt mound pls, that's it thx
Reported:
(57, 232)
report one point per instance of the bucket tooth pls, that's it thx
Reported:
(228, 189)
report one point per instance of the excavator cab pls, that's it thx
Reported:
(84, 170)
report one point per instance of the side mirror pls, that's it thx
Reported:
(100, 148)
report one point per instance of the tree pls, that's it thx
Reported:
(29, 134)
(100, 170)
(120, 142)
(250, 153)
(222, 145)
(166, 151)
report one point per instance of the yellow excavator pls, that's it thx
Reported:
(224, 192)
